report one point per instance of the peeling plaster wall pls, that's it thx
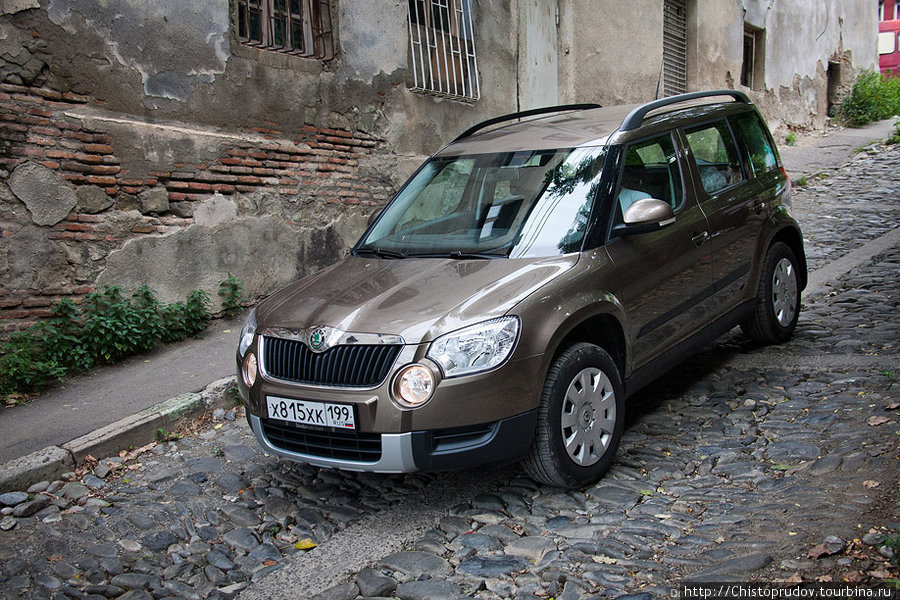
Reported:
(173, 44)
(191, 156)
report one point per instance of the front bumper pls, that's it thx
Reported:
(435, 450)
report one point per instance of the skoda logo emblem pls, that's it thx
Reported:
(317, 339)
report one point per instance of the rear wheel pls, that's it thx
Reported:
(580, 419)
(777, 299)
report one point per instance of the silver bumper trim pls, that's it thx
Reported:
(396, 453)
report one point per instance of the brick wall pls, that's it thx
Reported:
(315, 164)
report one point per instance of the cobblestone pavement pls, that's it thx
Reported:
(747, 463)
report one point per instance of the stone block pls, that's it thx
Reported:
(49, 199)
(91, 199)
(155, 200)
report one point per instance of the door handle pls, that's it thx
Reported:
(700, 238)
(759, 207)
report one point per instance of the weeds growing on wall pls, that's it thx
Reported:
(106, 328)
(874, 97)
(231, 292)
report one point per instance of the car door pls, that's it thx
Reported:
(730, 200)
(664, 278)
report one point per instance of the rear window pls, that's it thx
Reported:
(756, 142)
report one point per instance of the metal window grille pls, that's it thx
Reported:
(674, 47)
(442, 49)
(298, 27)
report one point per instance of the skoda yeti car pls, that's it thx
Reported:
(523, 283)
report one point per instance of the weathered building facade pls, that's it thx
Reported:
(173, 143)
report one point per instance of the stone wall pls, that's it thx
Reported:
(143, 143)
(264, 207)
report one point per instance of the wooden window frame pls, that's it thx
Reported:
(296, 27)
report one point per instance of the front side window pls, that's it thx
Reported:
(716, 156)
(756, 142)
(442, 49)
(298, 27)
(512, 204)
(650, 171)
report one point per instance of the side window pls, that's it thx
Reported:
(651, 171)
(756, 142)
(716, 156)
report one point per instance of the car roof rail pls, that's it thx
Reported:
(636, 117)
(522, 114)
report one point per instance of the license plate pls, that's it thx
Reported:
(316, 414)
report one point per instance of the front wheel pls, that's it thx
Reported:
(580, 419)
(777, 299)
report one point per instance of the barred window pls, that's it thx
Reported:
(442, 49)
(298, 27)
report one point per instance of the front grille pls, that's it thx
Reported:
(342, 445)
(341, 366)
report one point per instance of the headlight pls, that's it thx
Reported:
(474, 349)
(247, 333)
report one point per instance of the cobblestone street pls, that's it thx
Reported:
(747, 463)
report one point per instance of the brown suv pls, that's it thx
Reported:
(523, 283)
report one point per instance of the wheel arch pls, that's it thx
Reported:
(603, 330)
(794, 240)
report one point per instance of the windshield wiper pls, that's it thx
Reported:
(464, 255)
(379, 252)
(459, 255)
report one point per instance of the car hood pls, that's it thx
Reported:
(415, 298)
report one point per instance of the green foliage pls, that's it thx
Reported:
(24, 364)
(791, 139)
(106, 328)
(197, 314)
(874, 97)
(230, 291)
(111, 325)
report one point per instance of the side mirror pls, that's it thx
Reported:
(646, 215)
(373, 216)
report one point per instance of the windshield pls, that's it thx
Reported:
(512, 204)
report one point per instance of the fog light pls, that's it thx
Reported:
(414, 385)
(250, 369)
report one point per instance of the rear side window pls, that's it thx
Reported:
(756, 142)
(651, 171)
(716, 156)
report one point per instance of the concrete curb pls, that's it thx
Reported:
(820, 279)
(136, 430)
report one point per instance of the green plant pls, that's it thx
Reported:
(25, 366)
(147, 311)
(107, 327)
(197, 314)
(874, 97)
(62, 337)
(802, 181)
(791, 139)
(230, 291)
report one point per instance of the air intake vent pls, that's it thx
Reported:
(340, 445)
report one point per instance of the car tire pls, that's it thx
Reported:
(580, 419)
(777, 298)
